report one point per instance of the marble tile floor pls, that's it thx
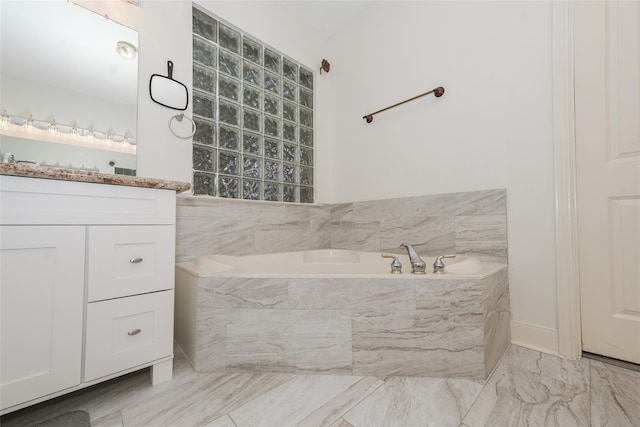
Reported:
(527, 388)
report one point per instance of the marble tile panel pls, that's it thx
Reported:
(306, 401)
(360, 294)
(358, 236)
(201, 401)
(484, 202)
(223, 421)
(530, 388)
(112, 420)
(490, 251)
(415, 402)
(342, 212)
(196, 237)
(444, 297)
(211, 341)
(481, 227)
(428, 235)
(320, 230)
(418, 343)
(497, 317)
(615, 396)
(303, 341)
(384, 211)
(272, 237)
(342, 423)
(240, 292)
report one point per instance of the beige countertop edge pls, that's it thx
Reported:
(31, 171)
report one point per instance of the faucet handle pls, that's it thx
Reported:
(438, 265)
(396, 265)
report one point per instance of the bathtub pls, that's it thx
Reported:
(341, 312)
(328, 263)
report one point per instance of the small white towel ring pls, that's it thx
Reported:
(179, 118)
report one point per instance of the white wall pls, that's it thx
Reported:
(491, 129)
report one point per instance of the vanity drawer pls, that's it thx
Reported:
(129, 260)
(126, 332)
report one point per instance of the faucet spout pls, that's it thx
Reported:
(418, 266)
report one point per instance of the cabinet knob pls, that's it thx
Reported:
(134, 332)
(135, 260)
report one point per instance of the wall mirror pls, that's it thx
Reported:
(68, 87)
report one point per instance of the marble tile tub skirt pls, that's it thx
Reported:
(378, 326)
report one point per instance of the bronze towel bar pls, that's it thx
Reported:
(438, 92)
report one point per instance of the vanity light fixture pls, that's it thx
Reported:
(126, 50)
(5, 120)
(109, 136)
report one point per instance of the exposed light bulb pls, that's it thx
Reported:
(109, 136)
(74, 130)
(53, 128)
(126, 50)
(5, 120)
(125, 138)
(91, 134)
(29, 123)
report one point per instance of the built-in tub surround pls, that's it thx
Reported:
(472, 223)
(360, 323)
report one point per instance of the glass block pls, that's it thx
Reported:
(203, 158)
(289, 111)
(204, 52)
(288, 193)
(229, 138)
(306, 98)
(204, 25)
(271, 105)
(228, 162)
(272, 60)
(228, 187)
(306, 194)
(306, 78)
(228, 38)
(306, 117)
(306, 176)
(271, 191)
(252, 97)
(205, 132)
(203, 106)
(272, 170)
(229, 88)
(306, 156)
(251, 167)
(229, 113)
(288, 152)
(250, 190)
(251, 119)
(288, 173)
(252, 74)
(251, 50)
(251, 143)
(204, 184)
(289, 90)
(204, 79)
(271, 83)
(289, 70)
(229, 64)
(289, 132)
(272, 149)
(271, 126)
(306, 136)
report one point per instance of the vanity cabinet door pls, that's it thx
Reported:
(41, 297)
(127, 332)
(129, 260)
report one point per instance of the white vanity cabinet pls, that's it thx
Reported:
(87, 285)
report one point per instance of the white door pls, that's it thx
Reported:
(607, 73)
(41, 295)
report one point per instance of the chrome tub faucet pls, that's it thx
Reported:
(418, 266)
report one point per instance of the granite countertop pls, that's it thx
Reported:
(32, 171)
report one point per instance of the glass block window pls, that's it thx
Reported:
(253, 108)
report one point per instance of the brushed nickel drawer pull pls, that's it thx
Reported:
(134, 332)
(135, 260)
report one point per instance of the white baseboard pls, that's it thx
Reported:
(534, 337)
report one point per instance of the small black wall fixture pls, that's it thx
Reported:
(168, 92)
(438, 92)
